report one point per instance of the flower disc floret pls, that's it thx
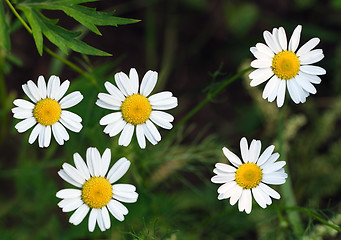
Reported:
(285, 65)
(47, 111)
(97, 192)
(136, 109)
(249, 175)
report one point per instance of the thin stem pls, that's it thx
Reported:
(286, 188)
(18, 16)
(209, 97)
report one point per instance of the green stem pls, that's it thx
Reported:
(313, 215)
(18, 16)
(209, 97)
(53, 54)
(286, 188)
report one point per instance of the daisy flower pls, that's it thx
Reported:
(250, 175)
(278, 61)
(47, 112)
(97, 192)
(133, 108)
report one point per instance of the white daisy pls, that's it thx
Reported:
(286, 68)
(134, 108)
(248, 176)
(97, 192)
(47, 112)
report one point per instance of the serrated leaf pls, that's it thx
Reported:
(36, 30)
(64, 38)
(4, 33)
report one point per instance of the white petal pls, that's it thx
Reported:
(126, 135)
(110, 100)
(258, 195)
(273, 180)
(76, 203)
(312, 78)
(71, 100)
(245, 201)
(265, 49)
(282, 38)
(41, 137)
(116, 127)
(42, 86)
(223, 178)
(311, 57)
(281, 93)
(119, 206)
(23, 104)
(92, 219)
(265, 188)
(124, 187)
(72, 116)
(74, 173)
(161, 96)
(225, 167)
(126, 83)
(28, 93)
(115, 211)
(62, 90)
(106, 218)
(293, 91)
(244, 149)
(34, 90)
(114, 91)
(54, 87)
(314, 70)
(81, 166)
(148, 83)
(148, 134)
(254, 151)
(305, 83)
(58, 133)
(299, 90)
(69, 193)
(89, 161)
(260, 55)
(68, 179)
(270, 160)
(269, 87)
(261, 63)
(78, 216)
(120, 84)
(100, 220)
(308, 46)
(47, 136)
(70, 123)
(22, 113)
(295, 38)
(166, 104)
(140, 136)
(106, 158)
(118, 170)
(153, 130)
(134, 80)
(159, 120)
(26, 124)
(271, 41)
(233, 158)
(49, 85)
(96, 158)
(126, 197)
(265, 155)
(260, 75)
(110, 118)
(226, 187)
(273, 167)
(237, 192)
(274, 92)
(35, 132)
(102, 104)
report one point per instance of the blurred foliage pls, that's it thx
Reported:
(183, 41)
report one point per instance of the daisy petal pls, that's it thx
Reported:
(134, 80)
(42, 87)
(295, 38)
(23, 104)
(126, 135)
(114, 91)
(140, 136)
(92, 219)
(308, 46)
(71, 100)
(148, 83)
(314, 70)
(62, 90)
(26, 124)
(35, 132)
(233, 158)
(78, 216)
(118, 170)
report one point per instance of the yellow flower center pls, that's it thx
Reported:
(285, 65)
(136, 109)
(248, 175)
(97, 192)
(47, 111)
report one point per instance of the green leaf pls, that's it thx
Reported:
(36, 29)
(4, 33)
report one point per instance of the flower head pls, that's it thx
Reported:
(47, 112)
(97, 191)
(133, 108)
(250, 175)
(286, 67)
